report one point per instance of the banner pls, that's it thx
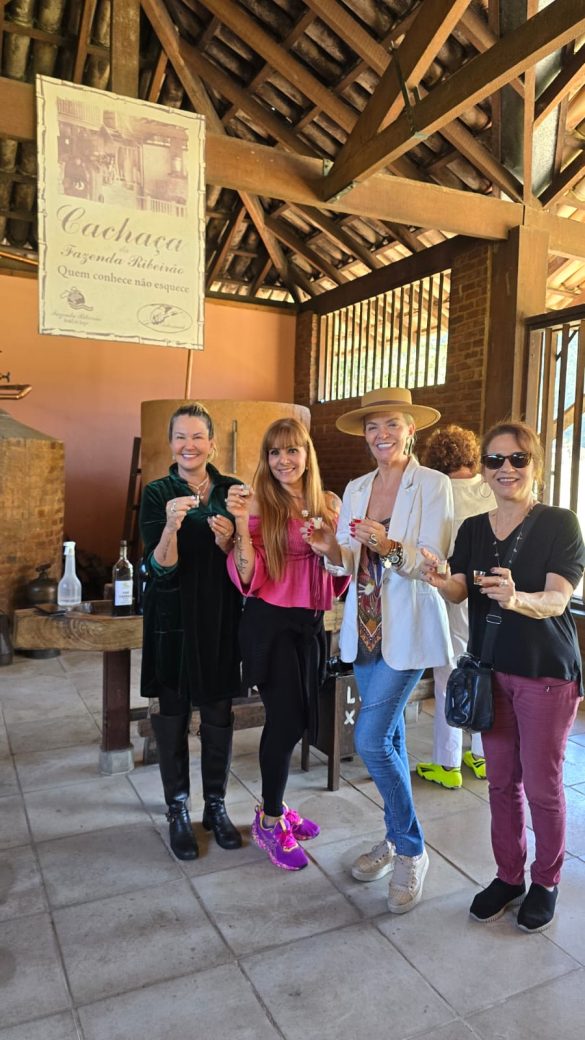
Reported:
(121, 211)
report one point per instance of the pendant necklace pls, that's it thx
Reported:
(199, 490)
(516, 545)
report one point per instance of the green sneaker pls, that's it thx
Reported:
(449, 778)
(476, 764)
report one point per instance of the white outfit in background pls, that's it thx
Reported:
(468, 500)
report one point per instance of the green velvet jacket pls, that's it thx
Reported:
(192, 613)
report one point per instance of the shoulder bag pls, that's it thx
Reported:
(469, 702)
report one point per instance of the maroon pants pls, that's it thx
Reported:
(524, 754)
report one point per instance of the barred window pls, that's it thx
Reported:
(398, 338)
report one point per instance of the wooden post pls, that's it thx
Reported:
(116, 712)
(518, 290)
(125, 47)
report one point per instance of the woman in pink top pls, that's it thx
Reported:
(281, 634)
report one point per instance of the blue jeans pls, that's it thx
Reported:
(380, 739)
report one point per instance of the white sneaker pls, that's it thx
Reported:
(407, 882)
(375, 864)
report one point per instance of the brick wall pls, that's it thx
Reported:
(460, 399)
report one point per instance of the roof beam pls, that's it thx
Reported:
(350, 31)
(571, 76)
(549, 30)
(232, 228)
(427, 34)
(565, 180)
(125, 47)
(83, 40)
(285, 233)
(341, 235)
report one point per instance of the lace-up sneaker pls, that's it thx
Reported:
(279, 843)
(407, 882)
(449, 778)
(476, 763)
(490, 904)
(376, 863)
(303, 829)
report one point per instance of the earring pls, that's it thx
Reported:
(488, 490)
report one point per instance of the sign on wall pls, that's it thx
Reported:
(121, 205)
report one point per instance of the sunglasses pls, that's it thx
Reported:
(519, 460)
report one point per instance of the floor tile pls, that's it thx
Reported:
(94, 805)
(21, 890)
(52, 697)
(370, 897)
(464, 840)
(338, 813)
(8, 778)
(57, 1027)
(263, 906)
(574, 768)
(13, 825)
(104, 863)
(551, 1010)
(433, 802)
(113, 945)
(30, 669)
(568, 927)
(46, 733)
(38, 770)
(185, 1003)
(488, 964)
(32, 978)
(575, 797)
(311, 990)
(146, 782)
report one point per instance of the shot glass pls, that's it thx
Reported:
(477, 576)
(442, 567)
(317, 522)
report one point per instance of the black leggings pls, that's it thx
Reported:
(219, 713)
(286, 721)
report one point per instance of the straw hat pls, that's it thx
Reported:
(390, 399)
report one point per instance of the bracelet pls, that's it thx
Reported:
(394, 558)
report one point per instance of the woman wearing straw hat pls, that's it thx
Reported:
(392, 629)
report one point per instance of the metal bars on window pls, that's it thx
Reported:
(555, 400)
(398, 338)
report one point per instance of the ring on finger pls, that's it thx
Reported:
(503, 581)
(372, 540)
(173, 506)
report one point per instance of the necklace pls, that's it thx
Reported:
(199, 489)
(518, 539)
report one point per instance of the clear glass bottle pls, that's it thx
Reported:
(69, 588)
(122, 583)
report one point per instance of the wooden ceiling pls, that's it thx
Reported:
(343, 135)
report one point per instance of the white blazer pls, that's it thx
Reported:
(415, 628)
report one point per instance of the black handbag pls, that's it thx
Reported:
(469, 700)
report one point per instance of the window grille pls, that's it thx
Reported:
(398, 338)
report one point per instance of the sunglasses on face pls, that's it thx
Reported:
(518, 459)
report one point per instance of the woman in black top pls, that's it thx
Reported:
(537, 664)
(191, 618)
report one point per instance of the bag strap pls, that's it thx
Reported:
(495, 615)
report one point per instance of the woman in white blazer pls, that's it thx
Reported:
(392, 628)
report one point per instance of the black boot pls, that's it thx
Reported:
(171, 732)
(216, 754)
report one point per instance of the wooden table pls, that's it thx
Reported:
(114, 638)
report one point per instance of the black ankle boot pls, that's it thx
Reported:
(216, 753)
(172, 740)
(216, 819)
(182, 839)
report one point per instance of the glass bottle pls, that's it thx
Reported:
(122, 584)
(69, 588)
(141, 579)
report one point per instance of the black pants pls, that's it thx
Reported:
(286, 720)
(219, 713)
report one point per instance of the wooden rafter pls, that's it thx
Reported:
(350, 31)
(263, 270)
(549, 30)
(571, 174)
(283, 231)
(158, 77)
(83, 39)
(481, 35)
(258, 218)
(571, 76)
(528, 121)
(337, 233)
(231, 230)
(427, 34)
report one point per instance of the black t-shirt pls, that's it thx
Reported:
(525, 646)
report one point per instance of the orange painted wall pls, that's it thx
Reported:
(88, 393)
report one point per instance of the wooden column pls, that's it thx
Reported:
(125, 46)
(518, 290)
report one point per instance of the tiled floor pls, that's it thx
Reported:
(105, 936)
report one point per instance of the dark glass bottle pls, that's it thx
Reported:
(141, 579)
(122, 584)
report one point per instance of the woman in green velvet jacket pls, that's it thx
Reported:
(191, 614)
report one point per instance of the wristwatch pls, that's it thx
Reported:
(395, 558)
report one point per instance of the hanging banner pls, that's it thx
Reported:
(121, 211)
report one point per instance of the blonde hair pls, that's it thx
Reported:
(274, 502)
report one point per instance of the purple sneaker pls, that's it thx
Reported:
(303, 829)
(280, 844)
